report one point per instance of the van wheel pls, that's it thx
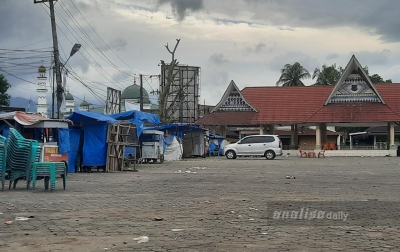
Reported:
(269, 154)
(230, 154)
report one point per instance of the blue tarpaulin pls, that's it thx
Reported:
(63, 141)
(95, 136)
(216, 136)
(142, 116)
(138, 118)
(6, 129)
(74, 138)
(176, 129)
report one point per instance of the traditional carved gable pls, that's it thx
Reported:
(354, 86)
(233, 100)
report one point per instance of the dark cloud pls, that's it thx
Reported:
(218, 59)
(305, 60)
(181, 7)
(376, 17)
(373, 58)
(256, 48)
(118, 44)
(23, 21)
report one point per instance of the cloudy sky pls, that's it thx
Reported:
(247, 41)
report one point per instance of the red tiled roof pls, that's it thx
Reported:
(286, 105)
(305, 132)
(227, 118)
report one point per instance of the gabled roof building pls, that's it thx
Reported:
(353, 102)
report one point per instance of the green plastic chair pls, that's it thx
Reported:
(3, 158)
(49, 170)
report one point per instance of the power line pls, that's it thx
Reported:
(83, 48)
(65, 24)
(17, 77)
(106, 59)
(83, 31)
(102, 39)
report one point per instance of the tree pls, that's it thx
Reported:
(376, 78)
(292, 75)
(4, 97)
(327, 75)
(165, 108)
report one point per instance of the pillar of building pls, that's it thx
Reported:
(318, 136)
(213, 129)
(294, 136)
(391, 136)
(261, 129)
(271, 129)
(324, 137)
(222, 130)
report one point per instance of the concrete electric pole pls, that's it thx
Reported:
(141, 92)
(59, 90)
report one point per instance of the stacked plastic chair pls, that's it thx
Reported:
(49, 170)
(3, 155)
(21, 154)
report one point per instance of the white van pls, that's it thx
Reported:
(268, 146)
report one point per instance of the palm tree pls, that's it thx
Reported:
(291, 75)
(327, 75)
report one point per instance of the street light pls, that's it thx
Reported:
(74, 49)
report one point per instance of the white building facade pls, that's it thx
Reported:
(42, 106)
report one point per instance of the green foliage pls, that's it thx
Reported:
(327, 75)
(376, 78)
(4, 86)
(292, 75)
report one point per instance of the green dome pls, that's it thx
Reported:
(42, 69)
(69, 96)
(84, 104)
(133, 92)
(154, 107)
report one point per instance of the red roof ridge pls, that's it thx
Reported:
(265, 87)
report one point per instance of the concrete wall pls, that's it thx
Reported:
(347, 153)
(308, 142)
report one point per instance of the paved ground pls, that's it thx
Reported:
(218, 205)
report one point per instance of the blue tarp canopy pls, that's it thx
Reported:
(216, 136)
(95, 137)
(176, 129)
(139, 115)
(138, 118)
(81, 116)
(176, 126)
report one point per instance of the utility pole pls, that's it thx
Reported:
(52, 95)
(59, 89)
(181, 97)
(141, 92)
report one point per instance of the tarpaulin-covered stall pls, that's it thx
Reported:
(191, 137)
(216, 144)
(138, 118)
(173, 150)
(93, 126)
(52, 134)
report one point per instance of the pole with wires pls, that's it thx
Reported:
(59, 90)
(141, 92)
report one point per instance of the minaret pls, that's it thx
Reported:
(42, 106)
(84, 105)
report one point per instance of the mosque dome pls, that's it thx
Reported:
(84, 104)
(42, 69)
(133, 92)
(69, 96)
